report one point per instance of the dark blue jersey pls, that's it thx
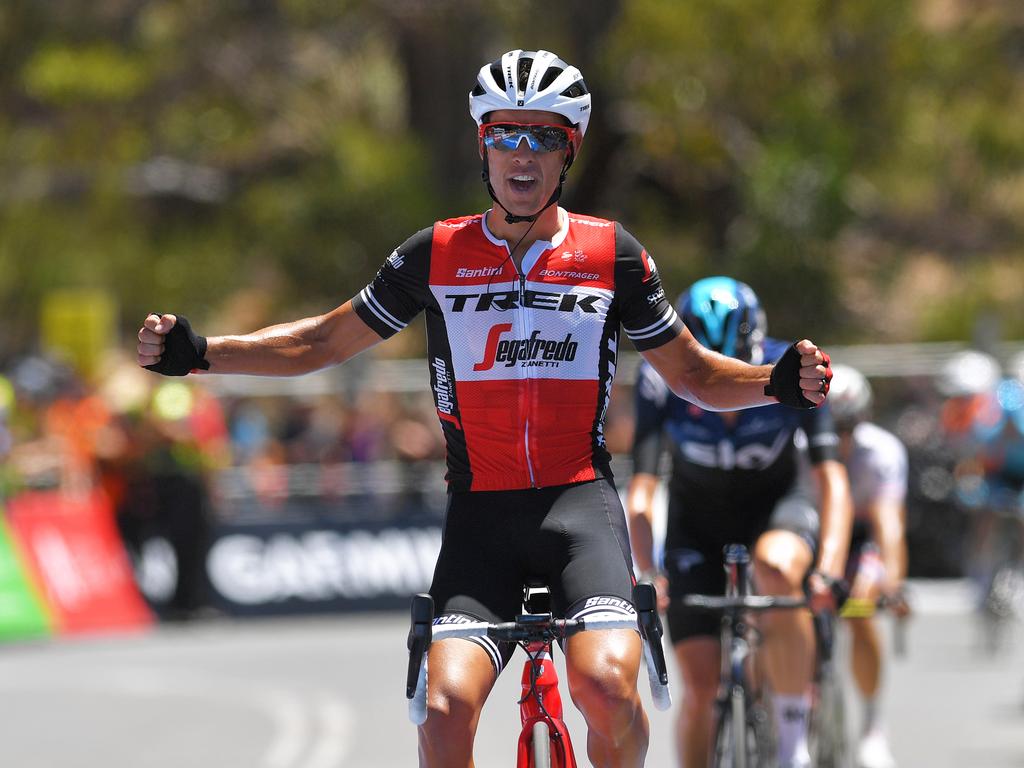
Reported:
(718, 463)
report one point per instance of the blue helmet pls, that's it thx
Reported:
(724, 315)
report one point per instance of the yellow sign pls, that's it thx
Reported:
(78, 326)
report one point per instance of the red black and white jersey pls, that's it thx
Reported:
(521, 365)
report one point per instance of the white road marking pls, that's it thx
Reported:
(323, 731)
(336, 725)
(291, 729)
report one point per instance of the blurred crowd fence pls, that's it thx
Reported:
(258, 496)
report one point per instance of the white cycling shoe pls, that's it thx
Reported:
(873, 752)
(800, 760)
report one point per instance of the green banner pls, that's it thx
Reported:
(22, 612)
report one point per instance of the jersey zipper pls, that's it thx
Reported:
(526, 408)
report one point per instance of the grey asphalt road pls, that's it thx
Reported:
(328, 693)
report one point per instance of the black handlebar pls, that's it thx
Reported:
(645, 600)
(420, 635)
(738, 603)
(534, 628)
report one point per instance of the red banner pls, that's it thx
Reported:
(76, 552)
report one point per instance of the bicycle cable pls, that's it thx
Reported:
(534, 676)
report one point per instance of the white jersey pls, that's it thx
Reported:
(877, 468)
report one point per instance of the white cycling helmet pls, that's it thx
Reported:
(968, 372)
(849, 394)
(535, 80)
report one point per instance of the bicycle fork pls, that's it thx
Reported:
(737, 563)
(737, 697)
(541, 701)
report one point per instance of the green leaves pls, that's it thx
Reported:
(61, 74)
(830, 154)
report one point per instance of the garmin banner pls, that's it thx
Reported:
(319, 565)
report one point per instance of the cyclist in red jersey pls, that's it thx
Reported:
(523, 306)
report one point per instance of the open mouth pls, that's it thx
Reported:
(522, 182)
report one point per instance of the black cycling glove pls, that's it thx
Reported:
(840, 588)
(785, 379)
(184, 351)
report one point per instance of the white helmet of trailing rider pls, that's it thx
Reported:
(533, 80)
(849, 394)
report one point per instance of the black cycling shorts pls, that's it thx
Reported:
(573, 538)
(696, 538)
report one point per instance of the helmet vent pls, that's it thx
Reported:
(498, 75)
(478, 90)
(525, 65)
(576, 90)
(549, 77)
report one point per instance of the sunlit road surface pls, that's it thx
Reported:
(328, 692)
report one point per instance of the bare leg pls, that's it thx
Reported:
(866, 659)
(699, 662)
(460, 678)
(781, 558)
(602, 668)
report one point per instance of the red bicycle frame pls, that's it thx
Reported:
(540, 707)
(541, 701)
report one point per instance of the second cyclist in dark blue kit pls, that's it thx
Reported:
(759, 477)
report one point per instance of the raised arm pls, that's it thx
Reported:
(719, 383)
(399, 291)
(288, 349)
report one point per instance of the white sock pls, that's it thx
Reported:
(791, 719)
(872, 715)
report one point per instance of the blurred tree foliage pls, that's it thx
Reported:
(860, 164)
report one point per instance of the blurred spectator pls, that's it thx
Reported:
(156, 460)
(249, 430)
(368, 422)
(415, 442)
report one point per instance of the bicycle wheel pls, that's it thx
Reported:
(738, 713)
(761, 746)
(722, 757)
(829, 748)
(540, 750)
(749, 746)
(1003, 606)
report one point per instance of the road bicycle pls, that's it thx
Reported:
(744, 732)
(827, 730)
(544, 740)
(828, 733)
(1003, 602)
